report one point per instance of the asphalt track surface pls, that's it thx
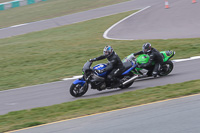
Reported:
(58, 92)
(181, 20)
(174, 116)
(75, 18)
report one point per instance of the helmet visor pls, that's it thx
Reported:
(144, 50)
(105, 52)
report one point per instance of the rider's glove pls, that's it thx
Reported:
(91, 60)
(132, 56)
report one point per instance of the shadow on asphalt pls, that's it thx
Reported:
(152, 78)
(108, 92)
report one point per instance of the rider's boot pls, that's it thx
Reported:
(155, 74)
(149, 73)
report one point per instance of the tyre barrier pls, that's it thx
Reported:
(17, 3)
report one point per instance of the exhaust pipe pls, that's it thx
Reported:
(130, 80)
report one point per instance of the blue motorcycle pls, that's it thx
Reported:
(99, 81)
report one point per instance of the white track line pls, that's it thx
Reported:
(74, 77)
(187, 59)
(17, 25)
(106, 32)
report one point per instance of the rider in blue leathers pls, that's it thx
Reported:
(115, 64)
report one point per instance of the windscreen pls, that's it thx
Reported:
(129, 58)
(87, 66)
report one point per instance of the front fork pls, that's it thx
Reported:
(82, 81)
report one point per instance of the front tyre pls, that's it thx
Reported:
(76, 90)
(166, 68)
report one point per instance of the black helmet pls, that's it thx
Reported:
(108, 50)
(146, 48)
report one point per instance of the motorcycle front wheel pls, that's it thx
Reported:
(76, 90)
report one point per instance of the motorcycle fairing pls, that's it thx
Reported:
(79, 81)
(100, 67)
(143, 59)
(167, 55)
(127, 71)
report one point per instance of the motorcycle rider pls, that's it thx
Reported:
(154, 56)
(114, 64)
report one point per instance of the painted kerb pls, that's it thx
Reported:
(17, 3)
(1, 7)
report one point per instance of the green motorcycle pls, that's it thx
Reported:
(165, 69)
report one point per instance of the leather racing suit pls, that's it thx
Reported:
(115, 65)
(155, 56)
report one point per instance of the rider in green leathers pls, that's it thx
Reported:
(155, 56)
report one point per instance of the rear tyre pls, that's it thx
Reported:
(127, 77)
(76, 90)
(166, 68)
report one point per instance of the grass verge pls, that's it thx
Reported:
(54, 54)
(37, 116)
(49, 9)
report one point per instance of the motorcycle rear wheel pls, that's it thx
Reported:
(76, 90)
(125, 79)
(169, 67)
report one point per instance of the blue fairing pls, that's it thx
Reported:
(127, 71)
(100, 67)
(79, 81)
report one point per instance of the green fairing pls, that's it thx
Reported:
(138, 69)
(143, 59)
(167, 55)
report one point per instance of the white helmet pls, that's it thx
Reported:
(108, 50)
(146, 48)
